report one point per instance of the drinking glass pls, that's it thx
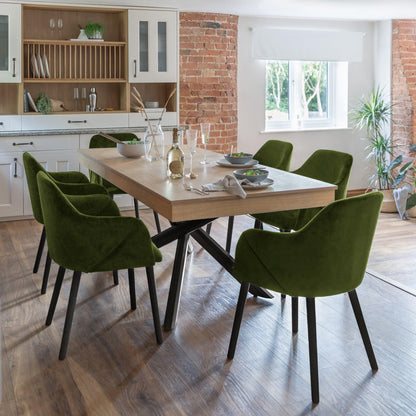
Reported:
(52, 26)
(83, 98)
(76, 97)
(60, 27)
(191, 139)
(205, 139)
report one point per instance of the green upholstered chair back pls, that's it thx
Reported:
(89, 243)
(327, 256)
(99, 142)
(329, 166)
(276, 154)
(32, 167)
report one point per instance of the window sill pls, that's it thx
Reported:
(289, 130)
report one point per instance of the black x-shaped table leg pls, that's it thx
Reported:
(181, 231)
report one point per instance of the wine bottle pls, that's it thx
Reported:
(175, 158)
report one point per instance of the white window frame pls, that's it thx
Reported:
(337, 95)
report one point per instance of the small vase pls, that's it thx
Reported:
(154, 143)
(82, 35)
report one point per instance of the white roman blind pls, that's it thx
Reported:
(307, 45)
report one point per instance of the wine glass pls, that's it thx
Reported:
(52, 26)
(76, 97)
(191, 139)
(205, 127)
(60, 27)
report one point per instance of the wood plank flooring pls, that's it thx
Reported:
(393, 252)
(114, 367)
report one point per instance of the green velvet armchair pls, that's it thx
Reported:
(72, 183)
(92, 243)
(327, 166)
(274, 153)
(326, 257)
(98, 141)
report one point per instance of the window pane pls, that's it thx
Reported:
(144, 46)
(277, 91)
(162, 50)
(314, 90)
(4, 43)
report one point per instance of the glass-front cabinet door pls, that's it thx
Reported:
(10, 42)
(153, 55)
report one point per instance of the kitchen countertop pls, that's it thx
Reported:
(22, 133)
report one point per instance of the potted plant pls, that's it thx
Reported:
(94, 30)
(373, 114)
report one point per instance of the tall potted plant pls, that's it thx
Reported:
(373, 114)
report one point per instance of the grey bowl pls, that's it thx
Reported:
(240, 174)
(151, 104)
(239, 160)
(131, 150)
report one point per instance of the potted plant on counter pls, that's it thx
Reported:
(373, 114)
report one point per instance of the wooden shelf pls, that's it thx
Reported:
(72, 42)
(74, 80)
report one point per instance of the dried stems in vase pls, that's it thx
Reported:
(166, 104)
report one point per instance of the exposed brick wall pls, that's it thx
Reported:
(208, 75)
(404, 83)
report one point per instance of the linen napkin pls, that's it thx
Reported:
(232, 185)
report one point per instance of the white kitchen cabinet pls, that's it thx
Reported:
(153, 46)
(55, 153)
(11, 189)
(10, 43)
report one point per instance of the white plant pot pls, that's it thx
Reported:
(389, 204)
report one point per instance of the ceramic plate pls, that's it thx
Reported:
(40, 66)
(262, 185)
(31, 102)
(35, 69)
(227, 164)
(46, 66)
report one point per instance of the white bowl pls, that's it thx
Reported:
(131, 150)
(151, 104)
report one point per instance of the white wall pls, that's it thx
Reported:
(251, 98)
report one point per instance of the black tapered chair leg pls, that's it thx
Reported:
(136, 208)
(283, 296)
(229, 234)
(258, 224)
(115, 277)
(157, 222)
(153, 301)
(363, 329)
(132, 288)
(40, 250)
(313, 349)
(295, 314)
(55, 294)
(208, 229)
(69, 314)
(237, 319)
(46, 274)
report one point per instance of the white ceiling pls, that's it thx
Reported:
(317, 9)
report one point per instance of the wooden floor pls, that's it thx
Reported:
(393, 253)
(114, 366)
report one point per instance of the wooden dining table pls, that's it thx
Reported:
(189, 211)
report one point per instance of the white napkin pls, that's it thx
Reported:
(400, 197)
(229, 184)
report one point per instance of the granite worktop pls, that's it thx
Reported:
(23, 133)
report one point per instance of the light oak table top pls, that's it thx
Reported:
(148, 183)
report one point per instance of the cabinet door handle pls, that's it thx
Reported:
(135, 68)
(23, 144)
(77, 121)
(14, 67)
(15, 167)
(151, 119)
